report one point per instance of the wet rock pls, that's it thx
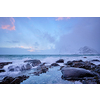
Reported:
(69, 63)
(34, 62)
(44, 70)
(72, 63)
(28, 66)
(10, 68)
(90, 81)
(81, 64)
(77, 61)
(41, 69)
(75, 73)
(36, 73)
(97, 70)
(54, 64)
(2, 64)
(60, 61)
(95, 60)
(16, 80)
(2, 70)
(14, 68)
(84, 82)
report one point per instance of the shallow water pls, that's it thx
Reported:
(52, 76)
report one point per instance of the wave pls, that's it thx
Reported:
(19, 65)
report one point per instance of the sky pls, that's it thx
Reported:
(48, 35)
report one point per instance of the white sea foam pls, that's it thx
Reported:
(50, 60)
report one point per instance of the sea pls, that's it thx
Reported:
(52, 76)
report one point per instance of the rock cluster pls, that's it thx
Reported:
(84, 71)
(16, 80)
(2, 64)
(34, 62)
(41, 69)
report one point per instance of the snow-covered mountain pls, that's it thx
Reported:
(87, 50)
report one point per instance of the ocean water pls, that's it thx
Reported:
(52, 76)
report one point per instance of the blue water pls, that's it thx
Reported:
(20, 57)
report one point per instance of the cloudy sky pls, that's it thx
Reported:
(48, 35)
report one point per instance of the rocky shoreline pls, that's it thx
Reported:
(77, 70)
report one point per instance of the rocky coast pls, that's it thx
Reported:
(86, 72)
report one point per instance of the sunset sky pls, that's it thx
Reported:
(47, 35)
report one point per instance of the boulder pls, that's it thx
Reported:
(2, 70)
(95, 60)
(16, 80)
(34, 62)
(60, 61)
(81, 64)
(2, 64)
(69, 63)
(41, 69)
(75, 73)
(54, 64)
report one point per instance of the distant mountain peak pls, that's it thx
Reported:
(87, 50)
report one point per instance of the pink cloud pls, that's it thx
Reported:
(31, 50)
(62, 18)
(12, 20)
(9, 27)
(59, 18)
(67, 17)
(28, 17)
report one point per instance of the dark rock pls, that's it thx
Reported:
(36, 73)
(16, 80)
(91, 80)
(82, 64)
(75, 73)
(95, 60)
(40, 69)
(98, 81)
(34, 62)
(97, 70)
(99, 65)
(72, 63)
(77, 61)
(2, 70)
(54, 64)
(2, 64)
(84, 82)
(84, 57)
(60, 61)
(69, 63)
(19, 79)
(11, 68)
(44, 70)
